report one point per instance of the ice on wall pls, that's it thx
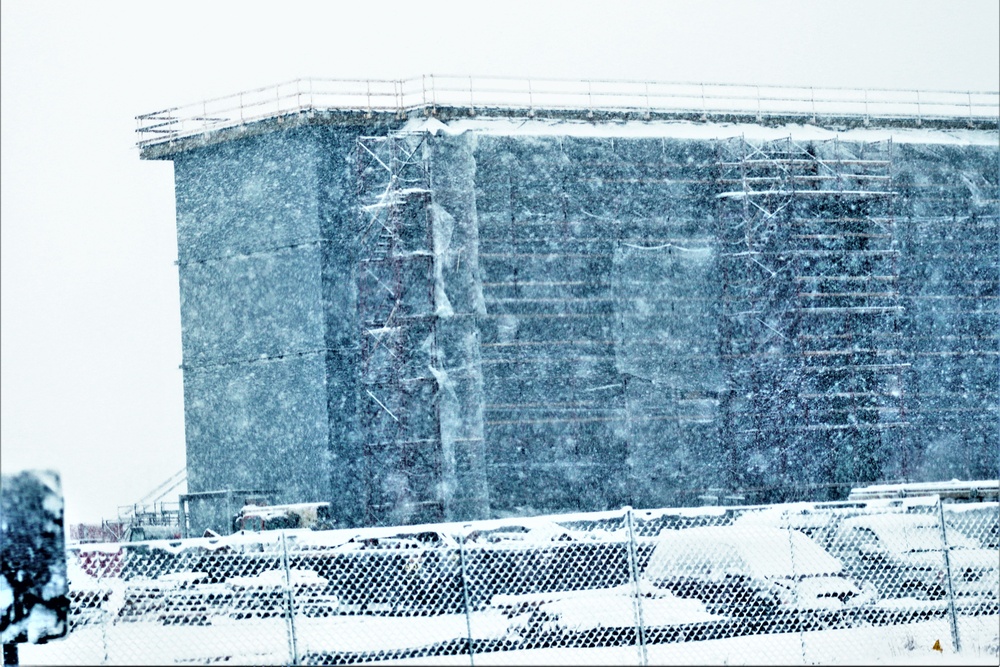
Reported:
(443, 226)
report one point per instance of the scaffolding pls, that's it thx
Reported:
(150, 517)
(464, 95)
(813, 327)
(397, 407)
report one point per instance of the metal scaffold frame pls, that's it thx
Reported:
(474, 95)
(401, 436)
(812, 331)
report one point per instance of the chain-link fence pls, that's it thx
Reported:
(782, 584)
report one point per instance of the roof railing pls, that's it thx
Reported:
(476, 94)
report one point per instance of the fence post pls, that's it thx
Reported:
(786, 525)
(640, 624)
(106, 617)
(465, 595)
(293, 648)
(951, 590)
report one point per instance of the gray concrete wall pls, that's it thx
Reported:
(605, 330)
(269, 326)
(600, 345)
(950, 237)
(611, 270)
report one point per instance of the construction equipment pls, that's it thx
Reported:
(315, 516)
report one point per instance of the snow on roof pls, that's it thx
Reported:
(909, 532)
(792, 515)
(615, 607)
(951, 488)
(707, 510)
(471, 95)
(891, 504)
(892, 521)
(276, 579)
(698, 130)
(961, 508)
(764, 551)
(267, 512)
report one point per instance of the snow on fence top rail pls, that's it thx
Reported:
(539, 95)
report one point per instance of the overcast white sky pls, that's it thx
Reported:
(90, 317)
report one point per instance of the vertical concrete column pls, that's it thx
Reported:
(458, 300)
(250, 255)
(336, 192)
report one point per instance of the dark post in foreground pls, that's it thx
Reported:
(32, 560)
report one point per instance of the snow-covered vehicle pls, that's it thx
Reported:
(142, 533)
(759, 575)
(699, 583)
(316, 516)
(979, 521)
(602, 616)
(403, 540)
(904, 556)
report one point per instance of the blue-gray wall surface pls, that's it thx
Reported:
(548, 323)
(267, 278)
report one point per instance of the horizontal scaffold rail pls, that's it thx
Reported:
(475, 94)
(739, 194)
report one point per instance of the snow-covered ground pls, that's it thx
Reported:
(265, 642)
(350, 590)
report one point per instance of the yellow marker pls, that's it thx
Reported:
(937, 645)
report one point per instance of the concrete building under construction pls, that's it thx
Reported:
(447, 299)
